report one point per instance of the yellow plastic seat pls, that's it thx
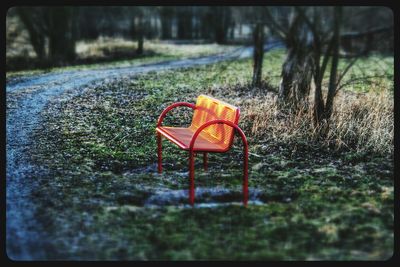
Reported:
(215, 138)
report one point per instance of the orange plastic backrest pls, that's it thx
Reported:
(209, 108)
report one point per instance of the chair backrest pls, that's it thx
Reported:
(209, 108)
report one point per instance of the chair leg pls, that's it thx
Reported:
(205, 159)
(191, 178)
(159, 152)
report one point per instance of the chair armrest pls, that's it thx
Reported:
(219, 121)
(167, 109)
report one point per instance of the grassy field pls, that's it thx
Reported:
(318, 199)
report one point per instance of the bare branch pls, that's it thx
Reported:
(345, 71)
(326, 58)
(277, 27)
(359, 79)
(308, 22)
(371, 31)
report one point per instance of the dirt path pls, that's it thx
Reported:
(26, 98)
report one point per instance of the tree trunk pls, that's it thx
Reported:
(258, 55)
(296, 75)
(184, 22)
(334, 64)
(189, 23)
(61, 34)
(297, 70)
(36, 36)
(221, 20)
(303, 76)
(232, 31)
(196, 28)
(166, 26)
(287, 76)
(319, 106)
(140, 33)
(132, 29)
(206, 23)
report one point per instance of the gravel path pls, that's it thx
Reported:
(26, 98)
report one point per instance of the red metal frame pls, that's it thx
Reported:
(245, 160)
(192, 151)
(160, 120)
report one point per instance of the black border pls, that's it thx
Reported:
(389, 4)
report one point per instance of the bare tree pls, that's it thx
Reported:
(335, 62)
(296, 74)
(137, 25)
(222, 20)
(140, 34)
(326, 44)
(53, 23)
(166, 16)
(61, 32)
(184, 16)
(206, 22)
(313, 37)
(34, 21)
(331, 38)
(258, 54)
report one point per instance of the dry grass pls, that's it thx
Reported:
(362, 121)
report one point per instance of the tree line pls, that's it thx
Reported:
(63, 26)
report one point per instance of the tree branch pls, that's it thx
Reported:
(345, 71)
(326, 58)
(371, 31)
(308, 22)
(278, 28)
(359, 79)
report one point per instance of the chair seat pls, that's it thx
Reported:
(183, 136)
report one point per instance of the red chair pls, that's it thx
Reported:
(212, 129)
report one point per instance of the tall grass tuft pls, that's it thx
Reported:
(361, 121)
